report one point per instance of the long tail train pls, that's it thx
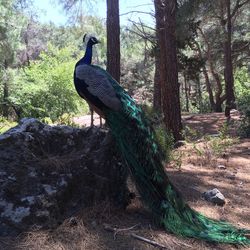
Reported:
(136, 141)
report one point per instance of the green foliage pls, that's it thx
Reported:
(209, 148)
(164, 138)
(45, 88)
(67, 119)
(205, 106)
(224, 131)
(11, 22)
(242, 89)
(220, 145)
(46, 120)
(212, 148)
(191, 134)
(244, 127)
(6, 124)
(137, 64)
(176, 159)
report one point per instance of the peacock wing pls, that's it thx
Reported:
(99, 85)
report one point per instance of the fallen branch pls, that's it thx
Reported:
(151, 242)
(180, 244)
(118, 230)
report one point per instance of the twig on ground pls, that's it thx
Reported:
(125, 229)
(181, 244)
(117, 230)
(151, 242)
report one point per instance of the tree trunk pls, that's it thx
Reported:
(207, 81)
(186, 92)
(168, 60)
(113, 39)
(199, 94)
(5, 105)
(209, 88)
(218, 90)
(228, 72)
(157, 82)
(218, 107)
(157, 86)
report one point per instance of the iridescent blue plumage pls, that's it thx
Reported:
(136, 141)
(87, 59)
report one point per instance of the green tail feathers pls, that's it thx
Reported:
(136, 141)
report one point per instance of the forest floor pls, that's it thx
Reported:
(195, 169)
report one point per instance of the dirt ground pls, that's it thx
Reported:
(91, 229)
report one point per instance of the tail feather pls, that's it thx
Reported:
(136, 141)
(137, 144)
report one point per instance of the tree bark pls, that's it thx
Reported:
(5, 106)
(157, 82)
(207, 81)
(218, 90)
(228, 72)
(186, 92)
(168, 60)
(199, 93)
(113, 39)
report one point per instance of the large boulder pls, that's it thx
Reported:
(48, 172)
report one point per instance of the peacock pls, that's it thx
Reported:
(137, 143)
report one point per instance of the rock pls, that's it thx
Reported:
(222, 167)
(214, 196)
(49, 172)
(73, 221)
(215, 135)
(179, 143)
(231, 176)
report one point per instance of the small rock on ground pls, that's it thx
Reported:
(214, 196)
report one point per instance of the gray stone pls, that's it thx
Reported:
(47, 173)
(214, 196)
(231, 176)
(222, 167)
(179, 143)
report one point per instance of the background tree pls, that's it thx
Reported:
(166, 30)
(113, 39)
(158, 80)
(10, 27)
(227, 23)
(216, 43)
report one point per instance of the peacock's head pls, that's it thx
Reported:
(91, 40)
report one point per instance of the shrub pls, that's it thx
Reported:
(6, 124)
(46, 89)
(164, 138)
(242, 89)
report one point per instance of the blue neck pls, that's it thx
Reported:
(88, 54)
